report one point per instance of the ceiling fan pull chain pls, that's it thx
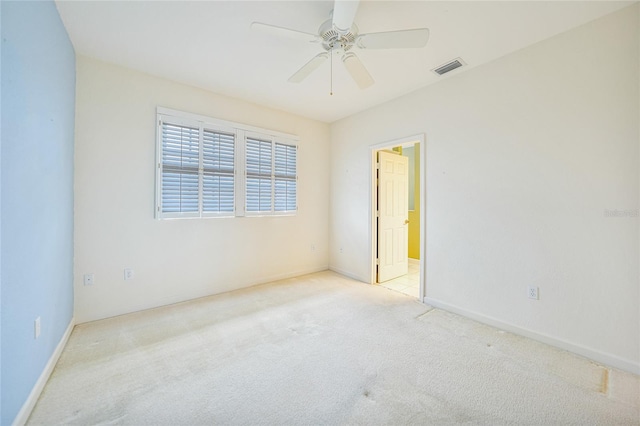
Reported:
(331, 72)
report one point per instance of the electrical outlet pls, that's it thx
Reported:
(36, 328)
(128, 274)
(313, 247)
(532, 292)
(88, 279)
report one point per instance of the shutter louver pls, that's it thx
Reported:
(285, 178)
(180, 158)
(259, 175)
(218, 195)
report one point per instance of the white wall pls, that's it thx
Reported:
(523, 157)
(176, 260)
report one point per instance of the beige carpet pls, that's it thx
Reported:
(322, 349)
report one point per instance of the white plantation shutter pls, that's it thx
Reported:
(197, 169)
(271, 176)
(259, 160)
(218, 156)
(196, 162)
(286, 178)
(180, 161)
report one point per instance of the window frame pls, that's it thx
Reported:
(241, 133)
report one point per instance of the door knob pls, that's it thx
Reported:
(406, 221)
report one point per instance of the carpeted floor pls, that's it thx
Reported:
(322, 349)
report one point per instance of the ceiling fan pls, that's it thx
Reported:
(339, 36)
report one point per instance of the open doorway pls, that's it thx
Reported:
(397, 212)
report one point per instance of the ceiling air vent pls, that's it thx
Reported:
(449, 66)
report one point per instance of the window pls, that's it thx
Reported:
(197, 170)
(180, 165)
(259, 176)
(218, 171)
(286, 179)
(209, 168)
(271, 176)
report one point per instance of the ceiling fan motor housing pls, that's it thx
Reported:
(332, 39)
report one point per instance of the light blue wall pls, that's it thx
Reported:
(0, 213)
(38, 105)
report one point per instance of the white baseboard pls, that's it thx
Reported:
(597, 356)
(348, 274)
(30, 403)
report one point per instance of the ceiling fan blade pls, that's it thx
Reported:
(344, 12)
(394, 39)
(308, 68)
(357, 70)
(284, 32)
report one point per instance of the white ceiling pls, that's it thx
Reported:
(209, 44)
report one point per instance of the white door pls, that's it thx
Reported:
(393, 198)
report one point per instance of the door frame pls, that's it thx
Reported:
(373, 200)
